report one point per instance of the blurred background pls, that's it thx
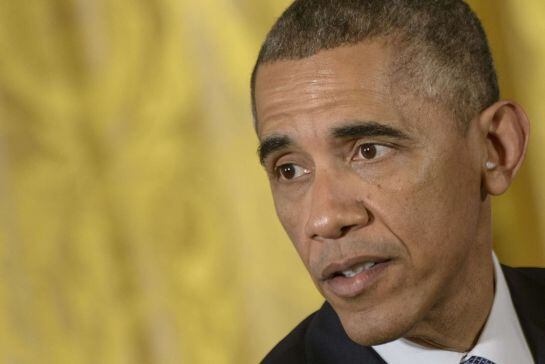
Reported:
(136, 224)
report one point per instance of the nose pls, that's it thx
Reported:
(335, 206)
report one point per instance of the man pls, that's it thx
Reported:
(383, 137)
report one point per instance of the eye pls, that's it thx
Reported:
(290, 171)
(370, 151)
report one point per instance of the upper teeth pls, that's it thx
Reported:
(357, 269)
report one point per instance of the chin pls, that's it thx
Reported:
(367, 329)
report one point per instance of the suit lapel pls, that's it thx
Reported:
(528, 294)
(327, 342)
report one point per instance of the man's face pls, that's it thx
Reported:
(379, 193)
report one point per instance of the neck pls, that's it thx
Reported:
(456, 321)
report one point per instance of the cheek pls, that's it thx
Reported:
(433, 210)
(289, 214)
(285, 213)
(293, 213)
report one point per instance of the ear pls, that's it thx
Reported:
(506, 129)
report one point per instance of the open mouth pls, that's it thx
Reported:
(353, 271)
(351, 279)
(352, 267)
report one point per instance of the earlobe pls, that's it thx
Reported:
(505, 128)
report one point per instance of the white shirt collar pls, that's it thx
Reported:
(502, 340)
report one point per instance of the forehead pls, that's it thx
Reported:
(350, 82)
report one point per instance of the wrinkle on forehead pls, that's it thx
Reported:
(339, 76)
(310, 104)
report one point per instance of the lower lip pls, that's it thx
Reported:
(350, 287)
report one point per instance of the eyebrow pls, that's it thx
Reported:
(360, 129)
(355, 129)
(272, 144)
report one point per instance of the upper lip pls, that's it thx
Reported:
(331, 269)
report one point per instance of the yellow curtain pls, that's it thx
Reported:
(135, 223)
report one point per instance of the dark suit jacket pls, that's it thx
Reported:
(320, 338)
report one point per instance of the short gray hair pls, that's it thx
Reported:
(444, 53)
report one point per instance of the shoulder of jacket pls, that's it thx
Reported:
(291, 349)
(535, 274)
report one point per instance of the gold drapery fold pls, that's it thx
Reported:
(135, 223)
